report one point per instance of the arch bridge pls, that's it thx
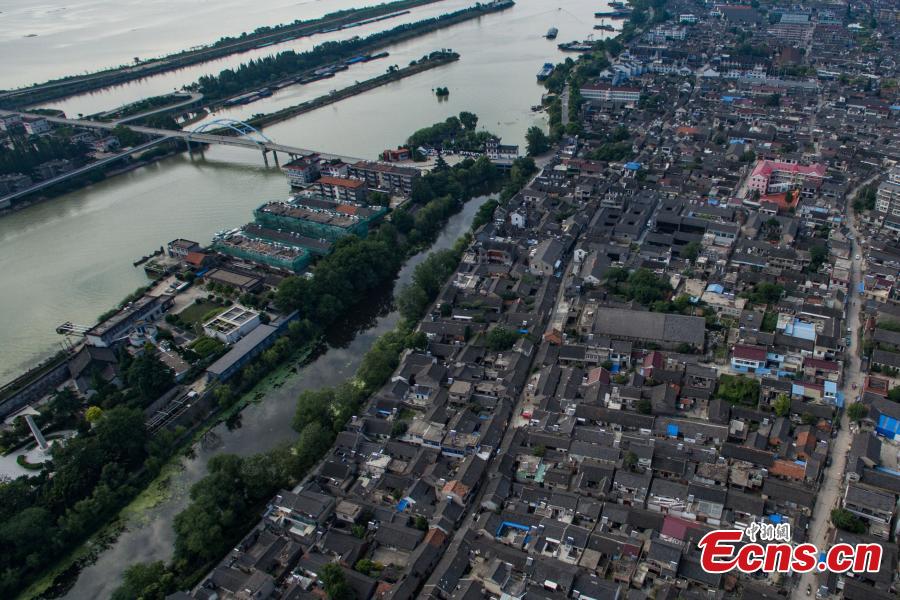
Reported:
(247, 135)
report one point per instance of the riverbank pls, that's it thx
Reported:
(59, 578)
(437, 59)
(95, 176)
(263, 36)
(380, 255)
(289, 66)
(372, 372)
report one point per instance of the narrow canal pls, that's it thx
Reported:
(262, 426)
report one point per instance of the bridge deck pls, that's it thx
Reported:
(206, 138)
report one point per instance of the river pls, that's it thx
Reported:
(55, 38)
(263, 426)
(69, 259)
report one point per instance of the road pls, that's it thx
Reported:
(193, 97)
(831, 489)
(200, 138)
(474, 507)
(79, 171)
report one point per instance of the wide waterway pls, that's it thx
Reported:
(262, 426)
(69, 259)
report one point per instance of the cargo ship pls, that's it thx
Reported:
(249, 97)
(545, 72)
(551, 33)
(622, 13)
(576, 47)
(605, 27)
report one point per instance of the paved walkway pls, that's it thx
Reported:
(831, 488)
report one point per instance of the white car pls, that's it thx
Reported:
(858, 257)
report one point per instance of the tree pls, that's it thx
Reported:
(421, 523)
(500, 339)
(314, 406)
(765, 293)
(149, 376)
(314, 442)
(368, 567)
(335, 582)
(857, 411)
(93, 414)
(782, 405)
(738, 389)
(846, 520)
(469, 120)
(894, 394)
(630, 460)
(398, 428)
(773, 100)
(644, 406)
(536, 140)
(539, 451)
(146, 581)
(224, 395)
(691, 251)
(127, 136)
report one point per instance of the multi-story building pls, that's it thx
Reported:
(301, 171)
(494, 150)
(398, 155)
(341, 189)
(384, 177)
(36, 125)
(772, 177)
(9, 122)
(260, 251)
(318, 219)
(180, 248)
(232, 325)
(603, 92)
(887, 200)
(662, 33)
(115, 328)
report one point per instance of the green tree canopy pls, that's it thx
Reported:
(536, 140)
(500, 339)
(738, 389)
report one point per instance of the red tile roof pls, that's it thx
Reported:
(749, 352)
(822, 365)
(341, 182)
(767, 167)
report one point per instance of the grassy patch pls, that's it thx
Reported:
(198, 310)
(769, 322)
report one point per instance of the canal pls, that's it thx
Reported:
(262, 426)
(69, 259)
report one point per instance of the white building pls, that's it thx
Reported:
(607, 93)
(36, 125)
(887, 200)
(232, 325)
